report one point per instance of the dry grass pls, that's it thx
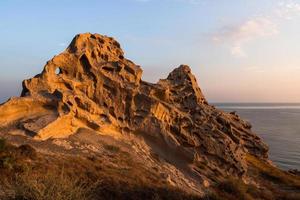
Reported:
(25, 176)
(52, 185)
(28, 175)
(235, 188)
(273, 174)
(276, 184)
(122, 190)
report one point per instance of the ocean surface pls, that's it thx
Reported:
(277, 124)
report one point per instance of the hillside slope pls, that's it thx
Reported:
(90, 99)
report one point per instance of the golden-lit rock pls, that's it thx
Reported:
(92, 85)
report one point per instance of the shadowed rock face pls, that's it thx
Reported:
(92, 85)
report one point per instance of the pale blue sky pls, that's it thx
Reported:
(240, 51)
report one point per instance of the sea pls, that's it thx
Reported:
(278, 124)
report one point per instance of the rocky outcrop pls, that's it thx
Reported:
(92, 85)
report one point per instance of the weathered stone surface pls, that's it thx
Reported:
(92, 85)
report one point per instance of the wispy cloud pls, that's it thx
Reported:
(238, 35)
(288, 9)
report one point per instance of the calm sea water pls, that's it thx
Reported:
(277, 124)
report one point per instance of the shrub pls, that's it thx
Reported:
(123, 190)
(50, 186)
(7, 162)
(270, 173)
(290, 197)
(27, 151)
(210, 195)
(235, 187)
(112, 148)
(2, 144)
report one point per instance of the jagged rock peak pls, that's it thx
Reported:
(97, 45)
(87, 57)
(182, 76)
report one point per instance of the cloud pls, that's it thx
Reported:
(238, 35)
(288, 9)
(237, 51)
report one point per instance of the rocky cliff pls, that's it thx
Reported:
(92, 86)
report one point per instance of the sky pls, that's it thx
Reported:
(239, 51)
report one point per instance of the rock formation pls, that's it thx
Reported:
(91, 85)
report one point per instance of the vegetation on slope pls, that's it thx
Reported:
(28, 175)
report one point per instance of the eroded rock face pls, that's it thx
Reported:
(92, 85)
